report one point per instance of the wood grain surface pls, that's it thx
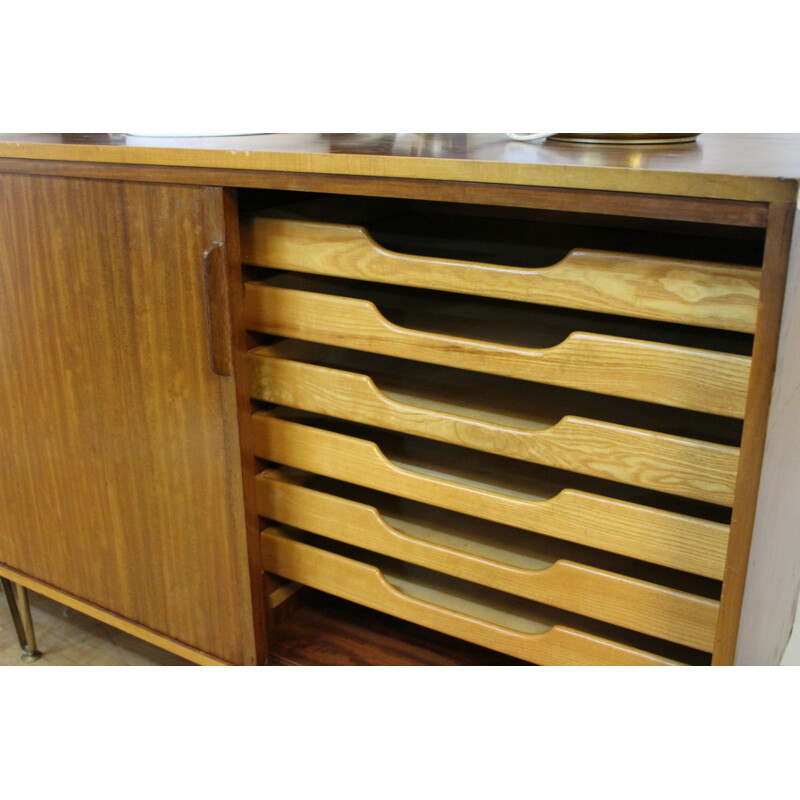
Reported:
(94, 650)
(749, 167)
(538, 642)
(633, 206)
(773, 580)
(618, 599)
(765, 353)
(685, 377)
(650, 534)
(674, 464)
(121, 482)
(121, 459)
(610, 204)
(672, 290)
(329, 631)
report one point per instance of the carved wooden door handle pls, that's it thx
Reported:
(217, 309)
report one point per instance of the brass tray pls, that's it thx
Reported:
(624, 138)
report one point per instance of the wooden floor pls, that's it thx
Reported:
(68, 638)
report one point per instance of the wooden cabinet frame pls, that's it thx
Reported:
(757, 627)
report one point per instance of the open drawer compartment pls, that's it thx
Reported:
(496, 489)
(530, 631)
(577, 579)
(666, 450)
(696, 369)
(530, 263)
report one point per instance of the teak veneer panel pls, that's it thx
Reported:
(672, 290)
(773, 579)
(740, 167)
(622, 203)
(119, 449)
(765, 357)
(114, 620)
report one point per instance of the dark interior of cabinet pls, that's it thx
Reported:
(328, 631)
(511, 236)
(309, 627)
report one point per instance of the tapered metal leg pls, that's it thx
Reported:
(21, 616)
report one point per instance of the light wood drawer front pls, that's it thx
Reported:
(650, 534)
(456, 613)
(642, 606)
(674, 464)
(671, 290)
(700, 380)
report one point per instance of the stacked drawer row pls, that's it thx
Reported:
(540, 461)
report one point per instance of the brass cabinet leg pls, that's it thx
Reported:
(23, 622)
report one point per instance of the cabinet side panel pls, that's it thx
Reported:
(773, 573)
(118, 481)
(759, 394)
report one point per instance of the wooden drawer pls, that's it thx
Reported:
(530, 631)
(501, 558)
(500, 490)
(468, 409)
(527, 342)
(668, 289)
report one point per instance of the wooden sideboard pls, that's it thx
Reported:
(405, 398)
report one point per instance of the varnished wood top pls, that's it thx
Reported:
(754, 167)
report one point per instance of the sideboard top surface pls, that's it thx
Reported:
(742, 166)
